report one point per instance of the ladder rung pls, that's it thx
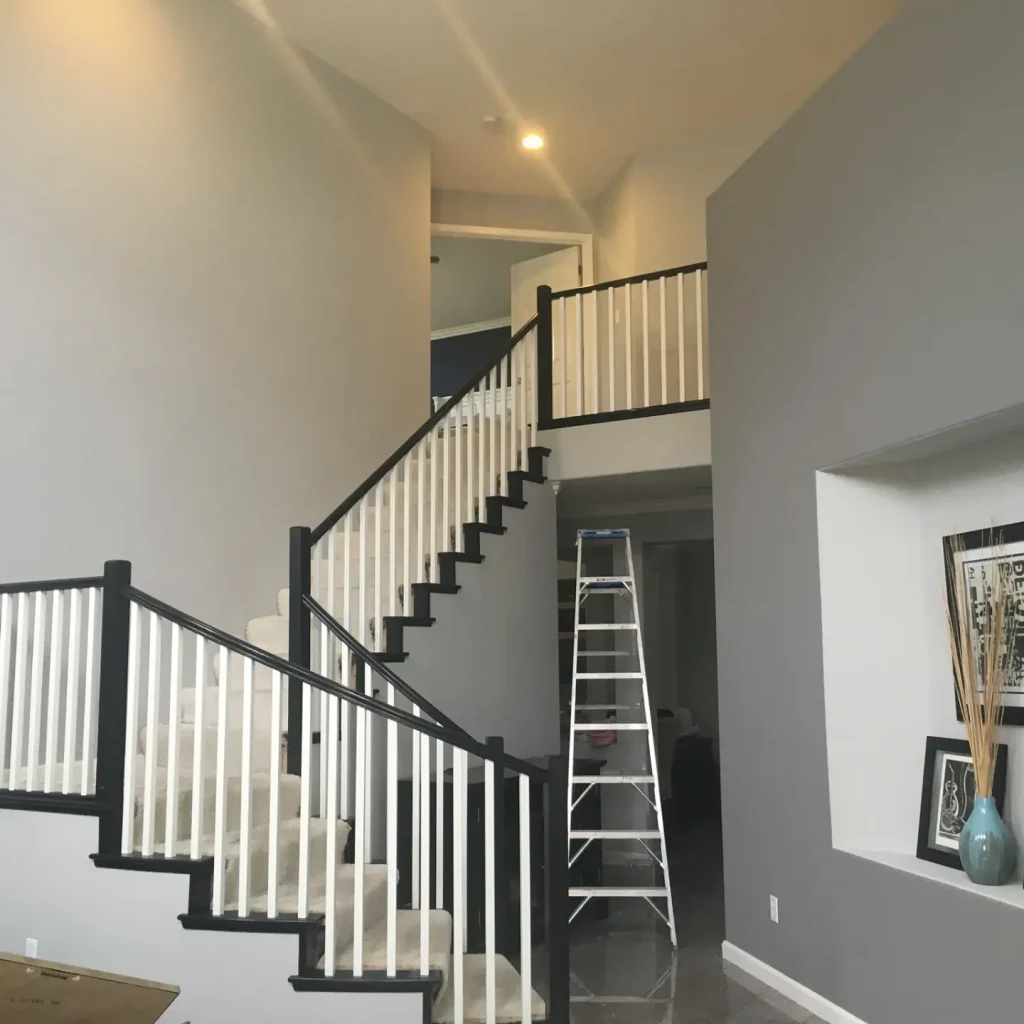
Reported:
(602, 534)
(609, 675)
(607, 625)
(607, 707)
(606, 582)
(610, 726)
(615, 833)
(609, 780)
(649, 892)
(606, 654)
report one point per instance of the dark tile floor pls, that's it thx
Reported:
(624, 968)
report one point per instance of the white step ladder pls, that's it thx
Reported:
(632, 714)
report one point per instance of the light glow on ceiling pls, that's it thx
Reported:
(533, 141)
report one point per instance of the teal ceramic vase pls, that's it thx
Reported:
(987, 850)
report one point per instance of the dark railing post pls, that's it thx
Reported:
(502, 891)
(544, 357)
(112, 712)
(556, 889)
(299, 555)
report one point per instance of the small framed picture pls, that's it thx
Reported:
(984, 553)
(947, 797)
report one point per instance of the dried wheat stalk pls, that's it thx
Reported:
(980, 671)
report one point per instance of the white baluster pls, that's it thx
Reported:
(87, 695)
(407, 534)
(35, 693)
(245, 801)
(629, 347)
(680, 310)
(531, 357)
(664, 343)
(318, 653)
(513, 362)
(305, 809)
(421, 513)
(220, 806)
(492, 433)
(152, 748)
(18, 699)
(53, 689)
(523, 419)
(470, 462)
(171, 802)
(563, 350)
(502, 396)
(595, 385)
(434, 513)
(331, 867)
(481, 395)
(131, 733)
(416, 764)
(446, 477)
(346, 668)
(360, 844)
(580, 410)
(378, 576)
(6, 632)
(611, 350)
(275, 791)
(699, 281)
(458, 880)
(199, 679)
(459, 472)
(525, 895)
(489, 895)
(391, 855)
(439, 828)
(425, 901)
(392, 542)
(645, 308)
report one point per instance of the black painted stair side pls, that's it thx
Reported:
(447, 561)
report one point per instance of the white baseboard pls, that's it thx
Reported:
(782, 983)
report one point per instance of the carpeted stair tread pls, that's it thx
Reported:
(375, 895)
(407, 944)
(507, 992)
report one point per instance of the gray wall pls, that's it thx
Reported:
(696, 641)
(490, 661)
(126, 922)
(213, 255)
(473, 280)
(866, 290)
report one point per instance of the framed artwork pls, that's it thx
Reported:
(978, 562)
(947, 797)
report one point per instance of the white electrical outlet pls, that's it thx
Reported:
(32, 948)
(773, 908)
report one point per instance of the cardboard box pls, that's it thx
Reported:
(35, 991)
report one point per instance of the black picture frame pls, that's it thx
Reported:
(1010, 538)
(932, 844)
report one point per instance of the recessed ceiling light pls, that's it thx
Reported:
(533, 141)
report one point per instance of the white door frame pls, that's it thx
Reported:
(584, 240)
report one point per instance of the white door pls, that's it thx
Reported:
(559, 270)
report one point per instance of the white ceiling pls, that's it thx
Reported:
(602, 79)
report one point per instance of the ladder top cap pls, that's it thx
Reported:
(601, 534)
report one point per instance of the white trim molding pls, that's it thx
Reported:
(783, 984)
(583, 239)
(483, 325)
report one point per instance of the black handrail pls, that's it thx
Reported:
(73, 583)
(382, 471)
(380, 668)
(318, 682)
(636, 279)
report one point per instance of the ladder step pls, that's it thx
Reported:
(607, 707)
(602, 534)
(605, 582)
(608, 625)
(615, 833)
(606, 654)
(609, 675)
(611, 780)
(650, 892)
(610, 726)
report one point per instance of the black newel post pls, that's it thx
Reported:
(112, 713)
(299, 554)
(544, 357)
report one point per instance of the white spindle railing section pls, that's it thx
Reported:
(49, 665)
(401, 902)
(367, 556)
(639, 345)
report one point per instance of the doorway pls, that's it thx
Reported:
(483, 288)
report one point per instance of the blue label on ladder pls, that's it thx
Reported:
(603, 534)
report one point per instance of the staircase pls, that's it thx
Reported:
(264, 768)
